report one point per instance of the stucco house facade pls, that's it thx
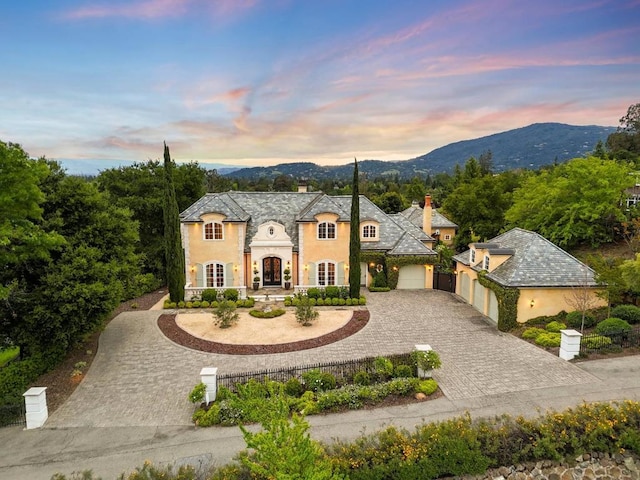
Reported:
(541, 277)
(431, 221)
(229, 238)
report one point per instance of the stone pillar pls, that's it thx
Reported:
(569, 344)
(423, 373)
(35, 401)
(209, 376)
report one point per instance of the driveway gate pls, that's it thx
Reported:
(444, 281)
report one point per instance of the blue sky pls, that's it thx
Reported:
(250, 82)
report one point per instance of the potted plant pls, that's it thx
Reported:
(287, 279)
(427, 361)
(256, 280)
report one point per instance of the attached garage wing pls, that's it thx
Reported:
(411, 277)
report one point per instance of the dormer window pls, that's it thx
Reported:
(213, 231)
(369, 232)
(326, 230)
(472, 256)
(485, 263)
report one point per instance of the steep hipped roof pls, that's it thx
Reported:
(288, 208)
(414, 214)
(535, 262)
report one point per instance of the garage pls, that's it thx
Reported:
(478, 296)
(411, 276)
(464, 287)
(493, 307)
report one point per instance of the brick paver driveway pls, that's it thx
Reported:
(140, 378)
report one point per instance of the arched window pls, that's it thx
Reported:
(215, 274)
(326, 273)
(326, 230)
(213, 231)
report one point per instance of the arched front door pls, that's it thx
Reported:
(271, 271)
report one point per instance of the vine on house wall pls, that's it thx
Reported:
(507, 302)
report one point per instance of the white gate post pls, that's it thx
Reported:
(35, 401)
(423, 373)
(209, 376)
(569, 344)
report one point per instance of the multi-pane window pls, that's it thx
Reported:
(326, 273)
(369, 231)
(213, 231)
(215, 275)
(326, 230)
(485, 264)
(472, 257)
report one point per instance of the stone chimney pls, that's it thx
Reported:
(427, 211)
(302, 187)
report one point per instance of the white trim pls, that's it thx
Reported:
(205, 266)
(369, 238)
(335, 272)
(214, 223)
(327, 223)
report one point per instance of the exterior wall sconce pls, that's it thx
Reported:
(193, 268)
(395, 268)
(372, 264)
(235, 268)
(255, 266)
(346, 267)
(288, 266)
(532, 303)
(306, 267)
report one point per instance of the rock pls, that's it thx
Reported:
(631, 464)
(504, 471)
(420, 396)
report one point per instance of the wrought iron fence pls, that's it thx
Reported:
(594, 343)
(12, 415)
(343, 370)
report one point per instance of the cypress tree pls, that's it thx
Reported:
(354, 239)
(174, 256)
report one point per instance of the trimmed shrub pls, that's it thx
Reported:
(428, 387)
(574, 320)
(249, 302)
(383, 367)
(318, 381)
(362, 378)
(347, 302)
(197, 304)
(361, 301)
(595, 341)
(380, 280)
(181, 304)
(629, 313)
(231, 294)
(313, 302)
(403, 371)
(555, 327)
(314, 292)
(197, 395)
(287, 302)
(189, 305)
(276, 312)
(205, 304)
(532, 333)
(548, 339)
(293, 387)
(335, 301)
(209, 295)
(612, 326)
(332, 291)
(320, 302)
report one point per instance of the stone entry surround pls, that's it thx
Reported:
(140, 378)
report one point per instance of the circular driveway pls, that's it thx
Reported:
(140, 378)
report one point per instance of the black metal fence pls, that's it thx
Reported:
(343, 370)
(595, 343)
(12, 415)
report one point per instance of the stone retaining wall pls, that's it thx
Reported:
(588, 467)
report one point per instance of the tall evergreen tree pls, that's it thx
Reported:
(354, 239)
(174, 256)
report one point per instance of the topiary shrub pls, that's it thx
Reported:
(361, 301)
(276, 312)
(189, 305)
(555, 327)
(335, 301)
(181, 304)
(380, 280)
(532, 333)
(548, 339)
(205, 304)
(287, 302)
(574, 320)
(612, 326)
(629, 313)
(209, 295)
(197, 304)
(347, 302)
(319, 302)
(342, 302)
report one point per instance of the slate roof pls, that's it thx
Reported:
(414, 214)
(288, 208)
(535, 262)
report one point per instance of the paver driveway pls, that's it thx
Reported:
(141, 378)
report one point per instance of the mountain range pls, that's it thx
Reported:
(527, 147)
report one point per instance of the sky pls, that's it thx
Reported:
(261, 82)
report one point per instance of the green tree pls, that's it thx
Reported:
(354, 237)
(174, 256)
(624, 144)
(573, 203)
(391, 202)
(630, 273)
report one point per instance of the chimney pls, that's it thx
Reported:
(427, 211)
(302, 187)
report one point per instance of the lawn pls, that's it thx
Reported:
(8, 354)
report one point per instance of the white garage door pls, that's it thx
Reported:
(464, 287)
(478, 296)
(493, 307)
(411, 276)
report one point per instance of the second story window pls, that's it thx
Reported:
(326, 230)
(472, 256)
(369, 231)
(213, 231)
(485, 264)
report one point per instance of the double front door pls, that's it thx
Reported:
(271, 271)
